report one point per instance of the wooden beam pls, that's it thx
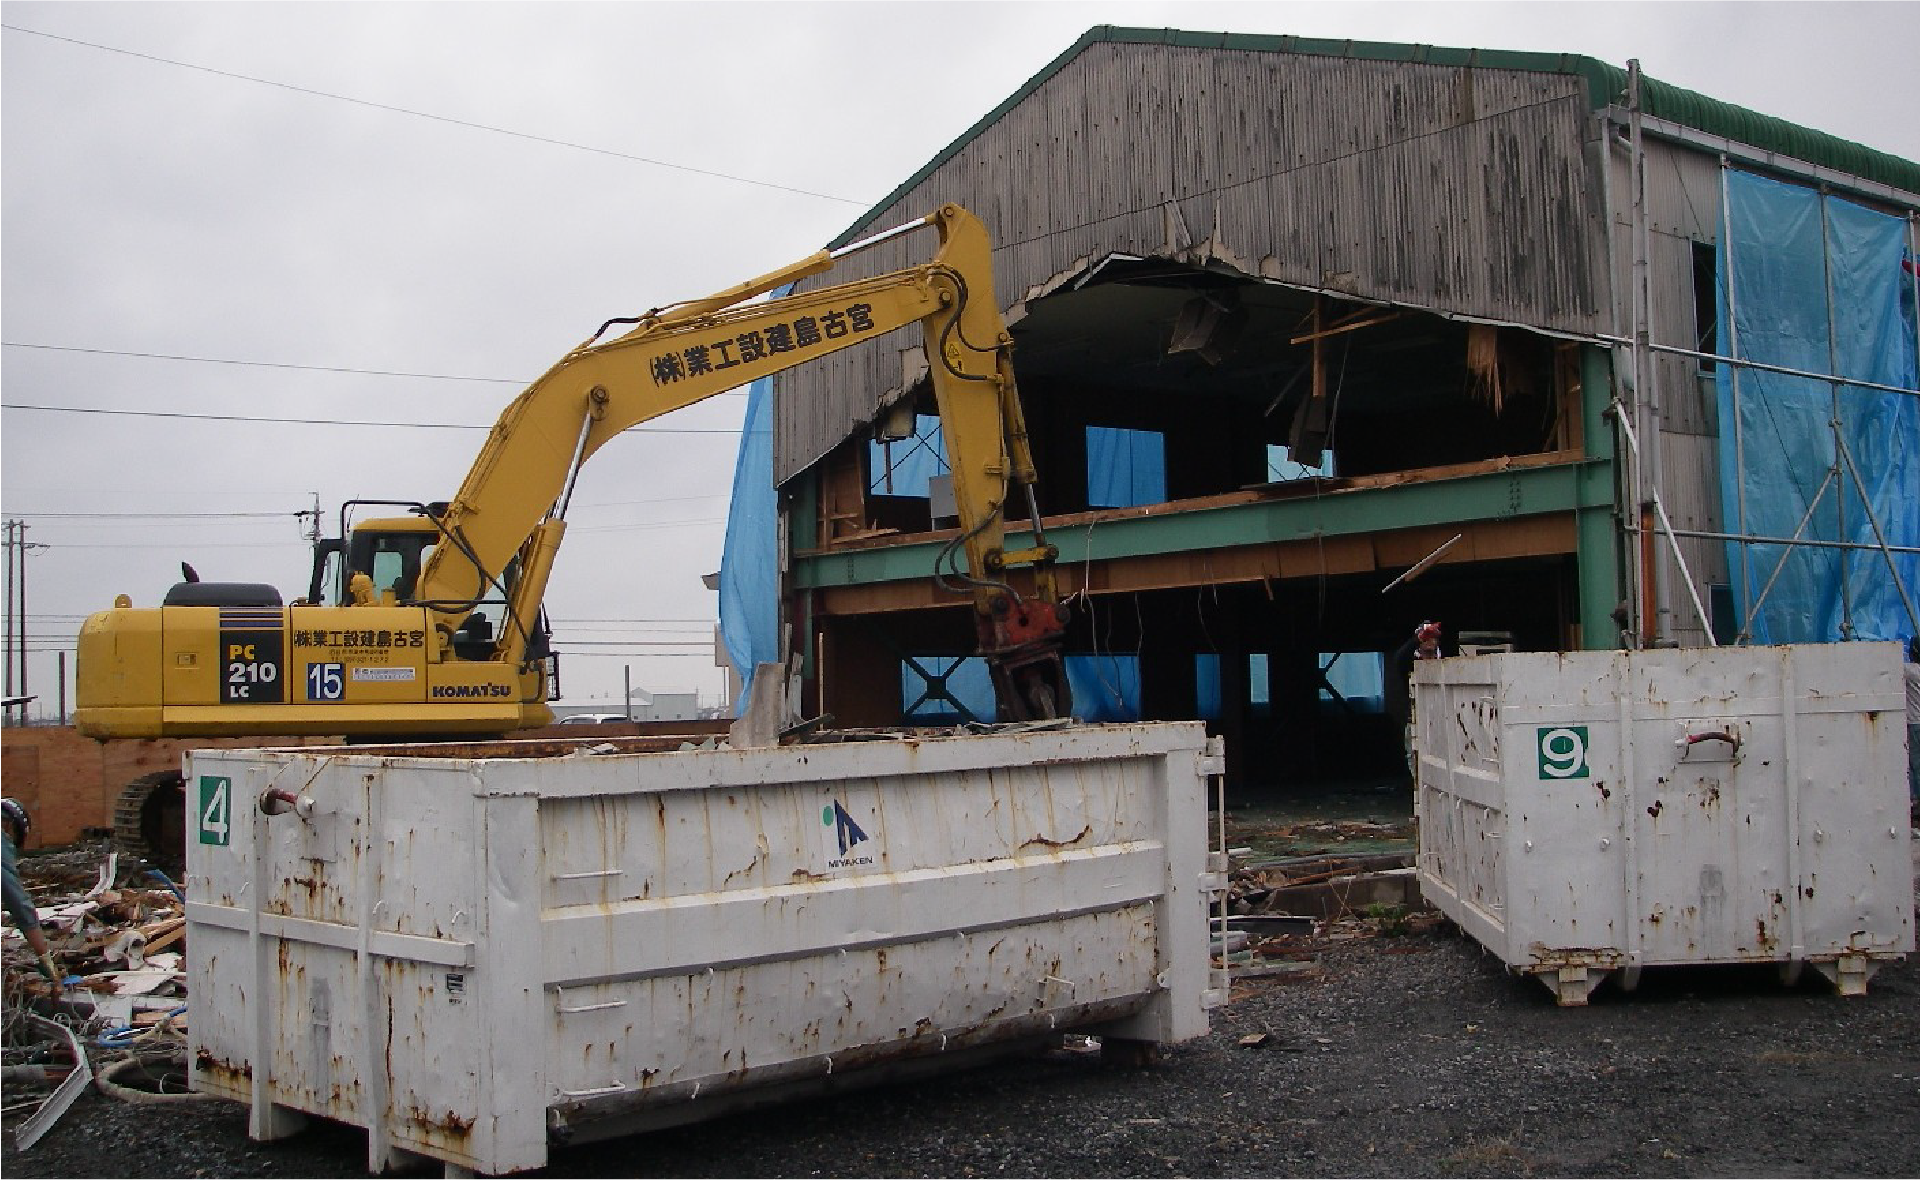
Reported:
(1344, 326)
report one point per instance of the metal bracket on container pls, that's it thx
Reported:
(1708, 741)
(594, 875)
(560, 1002)
(1214, 761)
(274, 801)
(596, 1092)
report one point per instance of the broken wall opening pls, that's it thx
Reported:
(1296, 672)
(1155, 389)
(1216, 384)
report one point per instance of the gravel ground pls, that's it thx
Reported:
(1412, 1055)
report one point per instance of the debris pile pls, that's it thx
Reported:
(1297, 890)
(118, 937)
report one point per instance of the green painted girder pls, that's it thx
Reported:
(1581, 487)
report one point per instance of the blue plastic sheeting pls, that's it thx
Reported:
(1125, 467)
(1821, 285)
(965, 679)
(1105, 688)
(1357, 677)
(1206, 686)
(1282, 469)
(903, 467)
(750, 562)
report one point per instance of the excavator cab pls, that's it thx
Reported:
(391, 551)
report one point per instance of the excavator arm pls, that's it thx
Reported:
(513, 502)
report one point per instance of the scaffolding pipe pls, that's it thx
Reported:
(1645, 387)
(1833, 396)
(1784, 370)
(1666, 526)
(1733, 385)
(1836, 383)
(1746, 622)
(1805, 542)
(1873, 518)
(1624, 468)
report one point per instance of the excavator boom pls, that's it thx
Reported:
(517, 490)
(399, 645)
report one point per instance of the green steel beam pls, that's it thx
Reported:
(1598, 534)
(1582, 487)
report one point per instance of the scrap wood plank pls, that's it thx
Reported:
(164, 934)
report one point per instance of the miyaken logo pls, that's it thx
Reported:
(846, 834)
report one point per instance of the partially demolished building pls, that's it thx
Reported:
(1292, 316)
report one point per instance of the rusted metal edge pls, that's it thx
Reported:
(847, 1061)
(440, 952)
(56, 1105)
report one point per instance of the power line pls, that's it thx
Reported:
(217, 360)
(188, 543)
(258, 418)
(303, 513)
(160, 515)
(345, 369)
(380, 106)
(196, 546)
(643, 526)
(573, 622)
(706, 644)
(651, 655)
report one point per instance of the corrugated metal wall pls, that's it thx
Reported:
(1463, 190)
(1683, 207)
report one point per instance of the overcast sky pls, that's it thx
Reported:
(384, 213)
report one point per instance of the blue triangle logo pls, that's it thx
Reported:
(844, 829)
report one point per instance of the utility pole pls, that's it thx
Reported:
(12, 579)
(313, 519)
(16, 608)
(20, 624)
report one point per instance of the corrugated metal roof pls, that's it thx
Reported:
(1468, 192)
(1606, 86)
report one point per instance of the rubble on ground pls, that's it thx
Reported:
(117, 930)
(1293, 894)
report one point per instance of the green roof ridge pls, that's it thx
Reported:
(1606, 85)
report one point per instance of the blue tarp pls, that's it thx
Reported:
(966, 680)
(1821, 285)
(1125, 468)
(750, 563)
(904, 467)
(1104, 687)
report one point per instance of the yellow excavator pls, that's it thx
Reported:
(428, 624)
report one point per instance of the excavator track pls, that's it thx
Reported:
(150, 821)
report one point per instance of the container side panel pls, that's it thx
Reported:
(1668, 807)
(387, 951)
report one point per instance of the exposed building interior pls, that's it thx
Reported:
(1453, 352)
(1154, 389)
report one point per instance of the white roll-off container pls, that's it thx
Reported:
(1589, 814)
(469, 956)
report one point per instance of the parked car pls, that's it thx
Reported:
(594, 719)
